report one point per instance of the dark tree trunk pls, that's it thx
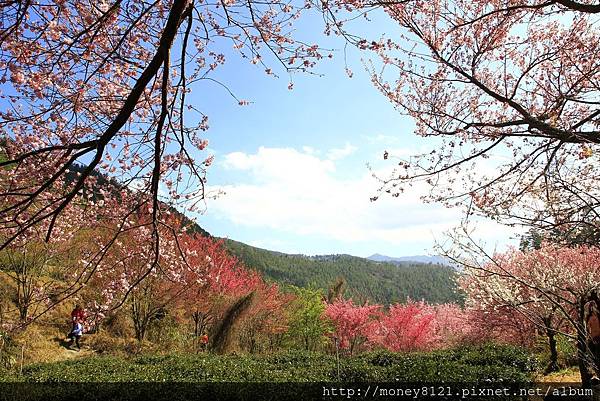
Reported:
(553, 364)
(140, 317)
(584, 356)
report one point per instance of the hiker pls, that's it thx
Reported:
(204, 342)
(76, 334)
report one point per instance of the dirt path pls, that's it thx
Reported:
(66, 352)
(74, 354)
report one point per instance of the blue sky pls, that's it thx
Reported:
(293, 164)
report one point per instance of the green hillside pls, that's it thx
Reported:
(378, 282)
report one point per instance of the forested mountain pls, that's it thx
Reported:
(376, 281)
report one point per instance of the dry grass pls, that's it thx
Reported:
(569, 375)
(38, 344)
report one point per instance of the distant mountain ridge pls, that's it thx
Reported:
(435, 259)
(375, 281)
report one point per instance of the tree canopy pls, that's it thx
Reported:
(507, 94)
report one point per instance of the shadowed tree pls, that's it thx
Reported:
(223, 332)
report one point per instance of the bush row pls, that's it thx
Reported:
(476, 364)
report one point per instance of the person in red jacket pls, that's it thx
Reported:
(77, 314)
(77, 320)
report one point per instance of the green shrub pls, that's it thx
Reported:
(472, 364)
(567, 351)
(489, 363)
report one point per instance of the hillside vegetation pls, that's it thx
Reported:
(366, 280)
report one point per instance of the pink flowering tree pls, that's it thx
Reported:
(405, 327)
(451, 325)
(228, 279)
(125, 275)
(548, 287)
(90, 88)
(353, 324)
(418, 326)
(507, 94)
(216, 280)
(225, 278)
(38, 268)
(502, 325)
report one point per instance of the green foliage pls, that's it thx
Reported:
(565, 347)
(466, 364)
(376, 281)
(585, 232)
(474, 364)
(307, 328)
(531, 240)
(567, 350)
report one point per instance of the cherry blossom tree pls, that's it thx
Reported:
(37, 268)
(92, 88)
(409, 326)
(353, 324)
(451, 325)
(215, 281)
(548, 287)
(225, 277)
(197, 303)
(405, 327)
(507, 94)
(502, 325)
(124, 274)
(519, 300)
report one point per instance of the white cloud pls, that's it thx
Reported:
(337, 154)
(310, 150)
(270, 163)
(300, 193)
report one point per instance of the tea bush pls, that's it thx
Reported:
(488, 363)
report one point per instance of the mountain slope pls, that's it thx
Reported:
(366, 280)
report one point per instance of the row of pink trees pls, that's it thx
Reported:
(513, 297)
(418, 326)
(104, 253)
(412, 326)
(196, 289)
